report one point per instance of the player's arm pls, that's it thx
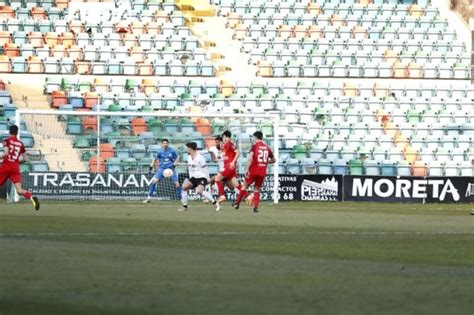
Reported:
(249, 162)
(176, 159)
(4, 153)
(237, 154)
(271, 158)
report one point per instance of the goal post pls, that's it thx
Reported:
(82, 152)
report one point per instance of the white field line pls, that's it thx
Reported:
(20, 234)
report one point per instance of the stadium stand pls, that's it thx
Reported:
(133, 59)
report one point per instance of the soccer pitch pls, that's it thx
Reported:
(293, 258)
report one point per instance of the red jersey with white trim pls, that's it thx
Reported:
(228, 153)
(261, 154)
(15, 150)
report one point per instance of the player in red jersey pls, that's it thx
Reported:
(228, 173)
(260, 156)
(13, 150)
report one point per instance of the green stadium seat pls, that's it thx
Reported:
(355, 167)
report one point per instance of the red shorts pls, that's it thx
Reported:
(9, 172)
(257, 180)
(228, 173)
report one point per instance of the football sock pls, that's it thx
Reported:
(184, 198)
(179, 190)
(152, 190)
(220, 188)
(208, 196)
(242, 194)
(256, 199)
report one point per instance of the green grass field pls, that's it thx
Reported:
(294, 258)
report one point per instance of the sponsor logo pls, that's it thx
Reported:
(325, 190)
(90, 180)
(470, 190)
(404, 188)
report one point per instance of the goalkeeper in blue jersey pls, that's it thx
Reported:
(166, 158)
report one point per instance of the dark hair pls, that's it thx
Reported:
(227, 133)
(192, 145)
(258, 135)
(13, 130)
(218, 138)
(165, 140)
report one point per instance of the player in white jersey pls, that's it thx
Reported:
(198, 177)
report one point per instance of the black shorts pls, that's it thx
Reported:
(198, 181)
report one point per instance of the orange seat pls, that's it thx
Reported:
(380, 90)
(97, 165)
(148, 86)
(365, 2)
(67, 39)
(265, 68)
(138, 27)
(51, 38)
(417, 10)
(76, 26)
(390, 128)
(162, 17)
(337, 20)
(38, 13)
(137, 53)
(36, 39)
(350, 90)
(210, 142)
(360, 32)
(75, 52)
(7, 12)
(82, 67)
(226, 88)
(58, 51)
(35, 64)
(400, 140)
(101, 85)
(240, 31)
(382, 116)
(91, 99)
(411, 154)
(5, 38)
(11, 50)
(285, 31)
(391, 56)
(153, 28)
(89, 123)
(130, 40)
(314, 8)
(315, 31)
(300, 31)
(203, 126)
(233, 19)
(139, 126)
(400, 70)
(62, 4)
(5, 65)
(2, 85)
(106, 150)
(415, 71)
(58, 98)
(419, 168)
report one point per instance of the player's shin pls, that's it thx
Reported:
(179, 191)
(242, 194)
(256, 199)
(220, 188)
(184, 198)
(152, 190)
(208, 196)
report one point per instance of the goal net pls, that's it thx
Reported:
(105, 156)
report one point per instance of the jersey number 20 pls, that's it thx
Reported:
(262, 156)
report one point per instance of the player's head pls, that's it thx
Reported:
(218, 140)
(258, 135)
(13, 130)
(192, 147)
(227, 135)
(165, 144)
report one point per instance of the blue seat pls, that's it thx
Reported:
(18, 64)
(340, 167)
(39, 166)
(387, 168)
(325, 167)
